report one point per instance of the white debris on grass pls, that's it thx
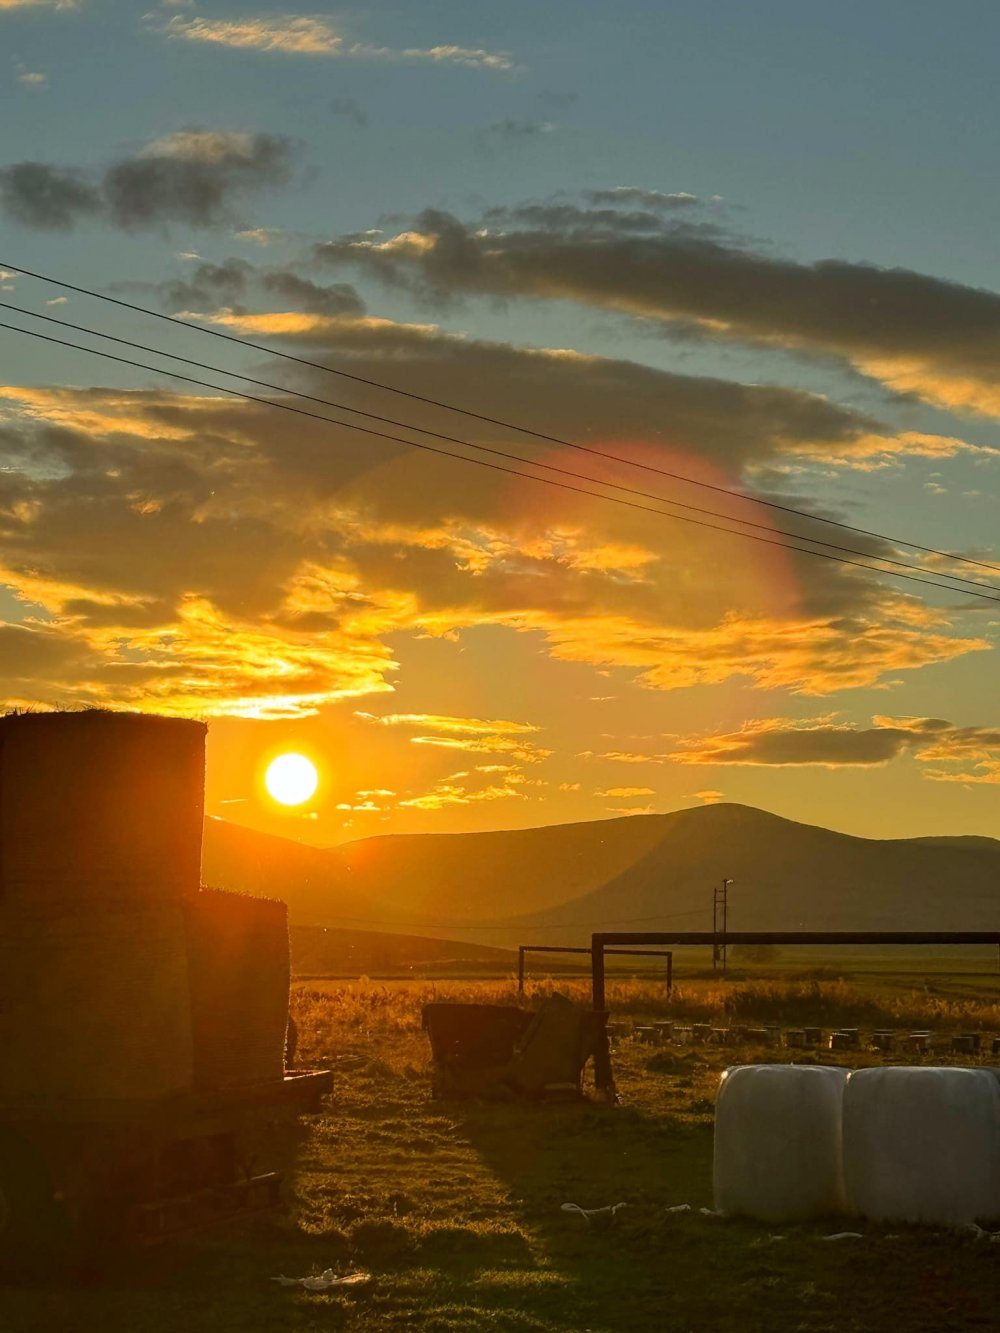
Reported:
(325, 1281)
(594, 1214)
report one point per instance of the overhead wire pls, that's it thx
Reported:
(483, 448)
(496, 467)
(495, 421)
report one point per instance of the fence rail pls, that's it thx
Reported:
(524, 949)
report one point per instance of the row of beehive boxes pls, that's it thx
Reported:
(836, 1039)
(891, 1144)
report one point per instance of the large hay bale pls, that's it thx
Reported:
(923, 1145)
(778, 1142)
(94, 1006)
(240, 976)
(99, 803)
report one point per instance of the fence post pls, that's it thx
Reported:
(520, 969)
(603, 1077)
(670, 973)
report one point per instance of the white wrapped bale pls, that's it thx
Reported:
(923, 1145)
(778, 1142)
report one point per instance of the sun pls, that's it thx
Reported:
(291, 779)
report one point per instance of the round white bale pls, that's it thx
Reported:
(923, 1145)
(778, 1142)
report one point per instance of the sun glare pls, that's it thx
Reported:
(291, 779)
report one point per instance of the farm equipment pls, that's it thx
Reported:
(142, 1017)
(500, 1051)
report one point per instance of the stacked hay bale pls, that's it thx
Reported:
(240, 972)
(120, 977)
(100, 845)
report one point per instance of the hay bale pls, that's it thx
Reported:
(94, 1006)
(240, 975)
(778, 1142)
(99, 803)
(923, 1144)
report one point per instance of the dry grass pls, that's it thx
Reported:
(333, 1014)
(455, 1208)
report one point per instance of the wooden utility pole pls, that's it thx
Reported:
(720, 914)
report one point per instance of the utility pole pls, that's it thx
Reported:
(720, 914)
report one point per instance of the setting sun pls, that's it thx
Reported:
(291, 779)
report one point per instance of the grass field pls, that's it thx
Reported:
(454, 1208)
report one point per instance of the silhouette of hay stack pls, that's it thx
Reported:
(98, 806)
(119, 976)
(238, 961)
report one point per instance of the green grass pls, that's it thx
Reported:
(455, 1207)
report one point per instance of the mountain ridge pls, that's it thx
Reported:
(559, 882)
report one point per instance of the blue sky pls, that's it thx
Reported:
(680, 321)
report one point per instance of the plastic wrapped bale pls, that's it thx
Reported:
(94, 1006)
(240, 974)
(778, 1142)
(923, 1145)
(99, 804)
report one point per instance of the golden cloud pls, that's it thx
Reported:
(162, 532)
(625, 792)
(295, 34)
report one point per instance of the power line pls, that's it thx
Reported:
(493, 421)
(483, 448)
(495, 467)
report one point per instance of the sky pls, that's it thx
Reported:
(732, 265)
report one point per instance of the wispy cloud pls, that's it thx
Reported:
(316, 36)
(462, 726)
(623, 793)
(37, 4)
(297, 34)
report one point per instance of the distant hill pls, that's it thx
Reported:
(644, 872)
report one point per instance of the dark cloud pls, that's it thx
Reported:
(208, 287)
(193, 177)
(350, 109)
(338, 298)
(919, 334)
(55, 198)
(514, 130)
(962, 754)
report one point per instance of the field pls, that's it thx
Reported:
(454, 1208)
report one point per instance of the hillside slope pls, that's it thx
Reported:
(642, 873)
